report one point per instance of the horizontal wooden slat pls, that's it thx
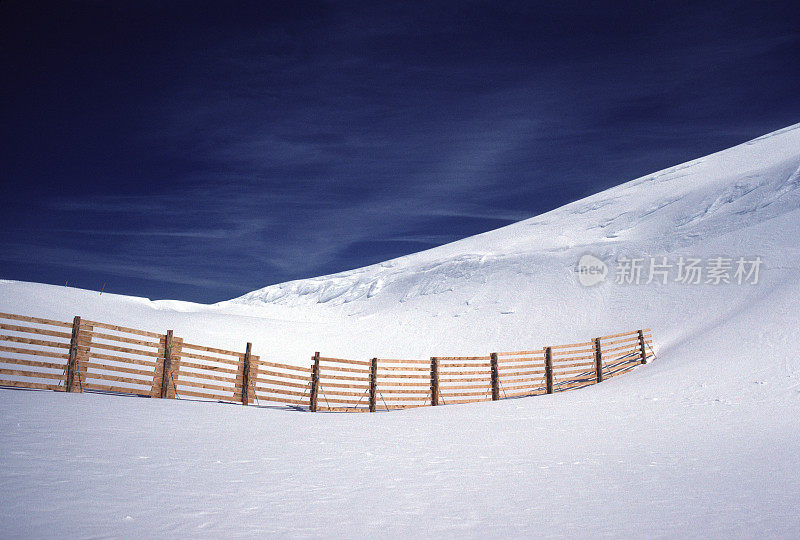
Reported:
(449, 366)
(561, 374)
(26, 384)
(403, 376)
(276, 382)
(112, 358)
(224, 352)
(342, 409)
(189, 393)
(205, 367)
(283, 375)
(120, 369)
(485, 372)
(276, 399)
(391, 384)
(404, 391)
(283, 366)
(122, 339)
(573, 352)
(325, 399)
(32, 341)
(33, 374)
(401, 407)
(446, 358)
(328, 384)
(632, 348)
(118, 389)
(330, 392)
(517, 353)
(280, 391)
(393, 361)
(511, 361)
(114, 378)
(524, 394)
(623, 357)
(206, 358)
(36, 320)
(518, 387)
(207, 376)
(32, 363)
(624, 334)
(473, 379)
(572, 345)
(530, 365)
(194, 384)
(404, 398)
(31, 330)
(337, 369)
(577, 358)
(559, 368)
(126, 350)
(521, 373)
(343, 378)
(455, 401)
(344, 361)
(117, 328)
(447, 392)
(409, 369)
(34, 352)
(632, 339)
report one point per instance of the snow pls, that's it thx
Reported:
(701, 442)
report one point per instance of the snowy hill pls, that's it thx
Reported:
(704, 439)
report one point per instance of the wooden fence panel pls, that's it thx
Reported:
(280, 383)
(403, 384)
(464, 379)
(34, 352)
(573, 366)
(114, 358)
(521, 373)
(343, 385)
(208, 373)
(621, 353)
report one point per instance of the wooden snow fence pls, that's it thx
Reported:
(94, 356)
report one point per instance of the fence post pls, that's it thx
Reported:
(641, 344)
(548, 368)
(246, 374)
(434, 381)
(73, 353)
(166, 370)
(373, 384)
(312, 400)
(495, 378)
(598, 360)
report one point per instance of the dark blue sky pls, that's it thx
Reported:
(200, 150)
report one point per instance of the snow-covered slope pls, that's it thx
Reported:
(701, 442)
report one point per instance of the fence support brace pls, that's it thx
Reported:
(495, 378)
(312, 400)
(246, 375)
(598, 360)
(641, 344)
(548, 368)
(166, 369)
(373, 384)
(73, 354)
(434, 381)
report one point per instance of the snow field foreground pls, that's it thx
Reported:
(701, 442)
